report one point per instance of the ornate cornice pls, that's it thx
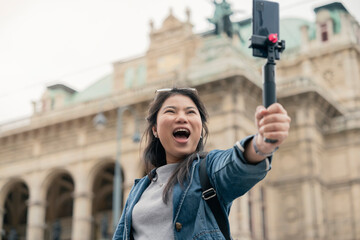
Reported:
(304, 89)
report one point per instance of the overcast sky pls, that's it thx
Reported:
(74, 42)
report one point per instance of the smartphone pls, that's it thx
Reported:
(265, 21)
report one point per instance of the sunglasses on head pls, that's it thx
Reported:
(172, 89)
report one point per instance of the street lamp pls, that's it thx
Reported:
(100, 122)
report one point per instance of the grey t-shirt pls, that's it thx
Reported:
(151, 217)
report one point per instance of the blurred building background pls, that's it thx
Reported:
(57, 167)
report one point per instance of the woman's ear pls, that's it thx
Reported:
(154, 131)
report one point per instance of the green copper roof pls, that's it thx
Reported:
(335, 9)
(335, 6)
(243, 30)
(99, 89)
(290, 31)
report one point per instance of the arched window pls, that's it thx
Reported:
(324, 32)
(15, 216)
(59, 209)
(102, 203)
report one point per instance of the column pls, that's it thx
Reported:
(35, 220)
(310, 211)
(272, 218)
(36, 204)
(351, 76)
(304, 37)
(245, 218)
(82, 219)
(355, 191)
(256, 217)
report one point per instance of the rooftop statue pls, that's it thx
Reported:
(221, 18)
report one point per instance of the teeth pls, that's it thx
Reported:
(181, 130)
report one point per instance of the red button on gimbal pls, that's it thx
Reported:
(273, 37)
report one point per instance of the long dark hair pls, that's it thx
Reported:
(154, 153)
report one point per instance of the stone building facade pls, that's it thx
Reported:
(57, 167)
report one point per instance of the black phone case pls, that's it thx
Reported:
(265, 22)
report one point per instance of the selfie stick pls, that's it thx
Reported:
(273, 47)
(267, 46)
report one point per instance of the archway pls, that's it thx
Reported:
(102, 202)
(15, 214)
(59, 208)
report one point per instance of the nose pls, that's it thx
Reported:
(181, 118)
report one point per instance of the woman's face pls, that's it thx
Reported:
(178, 126)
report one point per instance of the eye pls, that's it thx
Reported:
(169, 111)
(192, 112)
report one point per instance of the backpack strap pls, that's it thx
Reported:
(209, 195)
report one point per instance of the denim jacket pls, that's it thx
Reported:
(230, 175)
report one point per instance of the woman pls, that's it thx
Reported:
(168, 203)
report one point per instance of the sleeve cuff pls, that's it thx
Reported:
(240, 145)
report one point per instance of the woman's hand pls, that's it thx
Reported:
(272, 123)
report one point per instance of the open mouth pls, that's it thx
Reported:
(181, 133)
